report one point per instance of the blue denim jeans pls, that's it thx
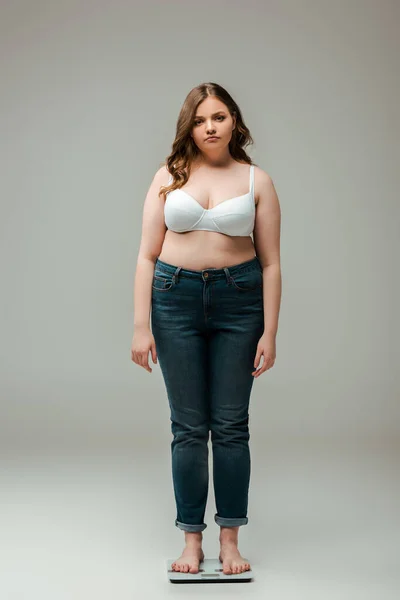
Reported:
(206, 325)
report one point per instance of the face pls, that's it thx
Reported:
(212, 118)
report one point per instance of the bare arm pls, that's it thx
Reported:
(153, 234)
(267, 242)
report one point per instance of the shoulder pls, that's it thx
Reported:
(161, 179)
(262, 182)
(161, 176)
(262, 176)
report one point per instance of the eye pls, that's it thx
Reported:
(197, 122)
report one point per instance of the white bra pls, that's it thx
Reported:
(234, 216)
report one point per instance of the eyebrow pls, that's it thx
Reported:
(213, 115)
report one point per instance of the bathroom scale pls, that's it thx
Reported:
(210, 571)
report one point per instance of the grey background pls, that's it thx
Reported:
(90, 94)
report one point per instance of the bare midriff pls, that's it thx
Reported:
(197, 250)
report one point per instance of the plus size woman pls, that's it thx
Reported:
(213, 296)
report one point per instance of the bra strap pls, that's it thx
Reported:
(251, 186)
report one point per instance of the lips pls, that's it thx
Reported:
(212, 137)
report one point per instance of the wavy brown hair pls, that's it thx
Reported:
(184, 149)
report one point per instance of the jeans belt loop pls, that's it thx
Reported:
(176, 274)
(228, 275)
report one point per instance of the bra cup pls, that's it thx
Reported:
(235, 224)
(180, 215)
(234, 216)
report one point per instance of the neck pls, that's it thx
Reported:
(215, 160)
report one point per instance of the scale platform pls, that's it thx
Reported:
(210, 571)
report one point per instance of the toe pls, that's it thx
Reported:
(227, 569)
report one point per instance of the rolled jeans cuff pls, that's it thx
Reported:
(189, 527)
(225, 522)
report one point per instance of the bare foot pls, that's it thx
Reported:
(231, 559)
(189, 561)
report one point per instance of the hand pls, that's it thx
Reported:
(267, 348)
(143, 342)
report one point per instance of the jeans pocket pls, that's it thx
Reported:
(162, 282)
(247, 280)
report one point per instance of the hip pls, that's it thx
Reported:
(210, 297)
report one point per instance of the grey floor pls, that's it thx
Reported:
(323, 523)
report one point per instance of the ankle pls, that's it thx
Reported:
(193, 538)
(228, 543)
(229, 536)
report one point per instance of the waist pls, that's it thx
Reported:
(198, 250)
(212, 273)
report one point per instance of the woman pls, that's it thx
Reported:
(215, 300)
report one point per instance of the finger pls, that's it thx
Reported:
(145, 361)
(261, 369)
(266, 365)
(154, 354)
(257, 359)
(141, 359)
